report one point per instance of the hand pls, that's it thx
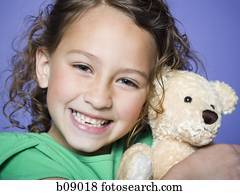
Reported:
(220, 161)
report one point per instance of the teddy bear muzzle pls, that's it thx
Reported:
(209, 117)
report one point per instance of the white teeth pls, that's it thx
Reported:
(88, 121)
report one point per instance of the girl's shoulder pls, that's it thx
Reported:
(39, 156)
(13, 142)
(28, 156)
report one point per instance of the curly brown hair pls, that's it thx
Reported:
(48, 28)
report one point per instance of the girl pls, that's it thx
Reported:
(86, 77)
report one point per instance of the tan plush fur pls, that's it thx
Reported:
(193, 107)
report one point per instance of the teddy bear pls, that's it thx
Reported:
(192, 113)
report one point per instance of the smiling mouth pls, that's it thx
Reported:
(89, 121)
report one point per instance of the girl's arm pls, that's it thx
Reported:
(220, 161)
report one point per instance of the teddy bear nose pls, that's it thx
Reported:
(209, 117)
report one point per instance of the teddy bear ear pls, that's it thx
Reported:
(166, 73)
(166, 70)
(162, 79)
(227, 95)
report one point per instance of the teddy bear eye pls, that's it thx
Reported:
(188, 99)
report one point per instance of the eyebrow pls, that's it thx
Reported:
(134, 71)
(123, 70)
(85, 53)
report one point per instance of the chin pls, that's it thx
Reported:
(87, 148)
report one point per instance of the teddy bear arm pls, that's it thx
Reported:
(136, 163)
(168, 153)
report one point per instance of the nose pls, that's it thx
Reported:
(99, 97)
(209, 117)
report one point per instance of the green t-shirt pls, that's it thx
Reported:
(39, 156)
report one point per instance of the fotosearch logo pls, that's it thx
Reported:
(124, 186)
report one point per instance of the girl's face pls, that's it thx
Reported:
(97, 79)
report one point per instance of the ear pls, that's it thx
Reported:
(227, 96)
(42, 67)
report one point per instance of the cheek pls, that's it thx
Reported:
(130, 107)
(60, 88)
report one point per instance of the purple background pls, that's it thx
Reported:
(212, 26)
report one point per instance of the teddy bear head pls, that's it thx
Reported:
(192, 107)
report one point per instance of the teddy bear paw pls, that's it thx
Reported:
(141, 169)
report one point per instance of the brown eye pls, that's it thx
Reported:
(128, 83)
(188, 99)
(83, 67)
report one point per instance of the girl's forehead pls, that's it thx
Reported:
(106, 17)
(104, 28)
